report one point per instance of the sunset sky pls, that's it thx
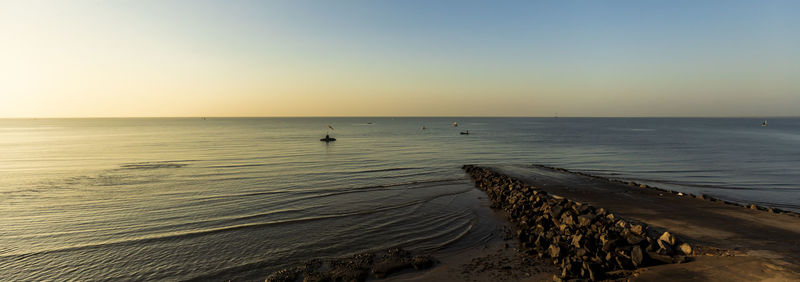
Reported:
(399, 58)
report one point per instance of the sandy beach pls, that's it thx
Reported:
(730, 241)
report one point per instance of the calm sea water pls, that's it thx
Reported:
(177, 199)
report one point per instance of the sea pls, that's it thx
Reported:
(235, 198)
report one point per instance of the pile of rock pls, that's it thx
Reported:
(356, 268)
(586, 242)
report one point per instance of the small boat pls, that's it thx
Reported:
(327, 139)
(764, 123)
(422, 128)
(465, 132)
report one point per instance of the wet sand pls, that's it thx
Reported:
(732, 242)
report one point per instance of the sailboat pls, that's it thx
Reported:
(764, 123)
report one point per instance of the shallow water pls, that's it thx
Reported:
(176, 199)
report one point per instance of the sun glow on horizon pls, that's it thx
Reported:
(408, 58)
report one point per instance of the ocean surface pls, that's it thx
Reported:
(235, 198)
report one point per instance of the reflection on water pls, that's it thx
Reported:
(186, 198)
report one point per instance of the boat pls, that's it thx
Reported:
(764, 123)
(422, 128)
(327, 139)
(465, 132)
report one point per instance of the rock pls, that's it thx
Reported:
(634, 239)
(637, 256)
(664, 248)
(554, 251)
(590, 271)
(685, 249)
(569, 220)
(608, 242)
(584, 241)
(340, 274)
(555, 211)
(582, 252)
(576, 241)
(668, 238)
(637, 229)
(585, 220)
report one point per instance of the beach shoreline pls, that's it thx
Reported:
(728, 241)
(724, 243)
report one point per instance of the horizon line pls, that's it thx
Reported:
(356, 116)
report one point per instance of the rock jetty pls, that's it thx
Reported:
(584, 241)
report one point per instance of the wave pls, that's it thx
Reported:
(333, 191)
(463, 228)
(209, 231)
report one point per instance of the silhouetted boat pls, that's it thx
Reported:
(764, 123)
(327, 138)
(465, 132)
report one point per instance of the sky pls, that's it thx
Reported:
(668, 58)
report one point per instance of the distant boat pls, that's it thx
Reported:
(327, 139)
(455, 124)
(764, 123)
(369, 123)
(465, 132)
(422, 128)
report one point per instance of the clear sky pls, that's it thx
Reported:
(399, 58)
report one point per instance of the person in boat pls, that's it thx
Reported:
(327, 138)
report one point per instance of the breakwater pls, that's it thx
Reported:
(584, 241)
